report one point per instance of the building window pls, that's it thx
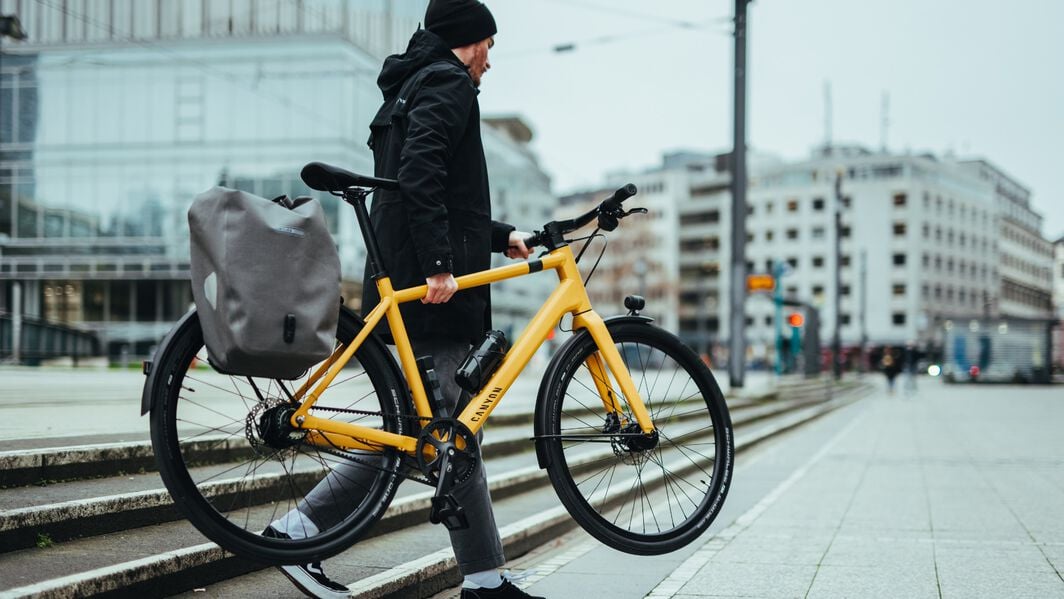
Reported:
(899, 199)
(898, 318)
(899, 259)
(845, 290)
(793, 262)
(768, 207)
(818, 261)
(844, 319)
(818, 232)
(899, 289)
(818, 290)
(926, 261)
(927, 231)
(768, 321)
(845, 260)
(792, 205)
(846, 201)
(792, 233)
(711, 216)
(769, 235)
(818, 204)
(899, 229)
(845, 230)
(792, 291)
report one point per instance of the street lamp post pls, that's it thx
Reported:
(737, 328)
(836, 339)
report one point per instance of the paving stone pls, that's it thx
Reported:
(976, 580)
(994, 556)
(869, 551)
(884, 580)
(750, 580)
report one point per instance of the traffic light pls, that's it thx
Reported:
(795, 319)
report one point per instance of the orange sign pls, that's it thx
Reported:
(760, 283)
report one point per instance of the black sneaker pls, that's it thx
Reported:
(309, 578)
(506, 591)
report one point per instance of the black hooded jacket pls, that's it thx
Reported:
(427, 135)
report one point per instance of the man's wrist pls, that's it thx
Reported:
(439, 264)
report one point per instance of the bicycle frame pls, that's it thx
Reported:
(569, 297)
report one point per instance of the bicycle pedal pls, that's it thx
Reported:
(446, 511)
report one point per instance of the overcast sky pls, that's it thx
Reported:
(980, 78)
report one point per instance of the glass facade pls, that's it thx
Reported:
(114, 115)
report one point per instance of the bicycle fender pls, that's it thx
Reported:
(161, 353)
(191, 319)
(552, 371)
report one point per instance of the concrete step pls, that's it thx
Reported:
(92, 507)
(172, 557)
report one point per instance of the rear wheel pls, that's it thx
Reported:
(234, 466)
(638, 494)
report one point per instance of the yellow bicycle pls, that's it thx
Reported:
(630, 424)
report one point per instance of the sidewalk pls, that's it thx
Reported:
(956, 493)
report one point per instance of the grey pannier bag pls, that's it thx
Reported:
(266, 280)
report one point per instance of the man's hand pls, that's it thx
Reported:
(517, 249)
(442, 288)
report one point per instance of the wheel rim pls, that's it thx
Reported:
(643, 490)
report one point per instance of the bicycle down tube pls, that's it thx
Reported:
(569, 296)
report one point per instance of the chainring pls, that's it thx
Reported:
(444, 435)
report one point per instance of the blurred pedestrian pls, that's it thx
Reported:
(910, 365)
(890, 366)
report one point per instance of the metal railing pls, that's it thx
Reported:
(28, 340)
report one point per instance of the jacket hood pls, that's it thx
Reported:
(424, 49)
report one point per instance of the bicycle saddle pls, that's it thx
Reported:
(325, 177)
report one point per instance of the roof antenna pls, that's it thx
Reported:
(827, 116)
(884, 122)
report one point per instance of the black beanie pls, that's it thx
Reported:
(459, 22)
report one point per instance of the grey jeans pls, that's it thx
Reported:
(476, 548)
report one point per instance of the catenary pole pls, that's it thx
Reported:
(737, 342)
(836, 338)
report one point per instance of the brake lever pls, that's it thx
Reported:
(634, 211)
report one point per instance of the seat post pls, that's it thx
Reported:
(357, 198)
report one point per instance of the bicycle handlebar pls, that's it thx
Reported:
(609, 210)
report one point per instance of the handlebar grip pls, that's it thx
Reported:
(535, 239)
(623, 193)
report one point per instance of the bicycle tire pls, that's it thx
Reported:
(657, 509)
(198, 439)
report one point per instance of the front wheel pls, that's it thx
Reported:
(235, 467)
(640, 495)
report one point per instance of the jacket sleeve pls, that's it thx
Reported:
(500, 236)
(436, 121)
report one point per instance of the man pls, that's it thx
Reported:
(438, 225)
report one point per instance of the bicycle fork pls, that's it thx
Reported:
(606, 360)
